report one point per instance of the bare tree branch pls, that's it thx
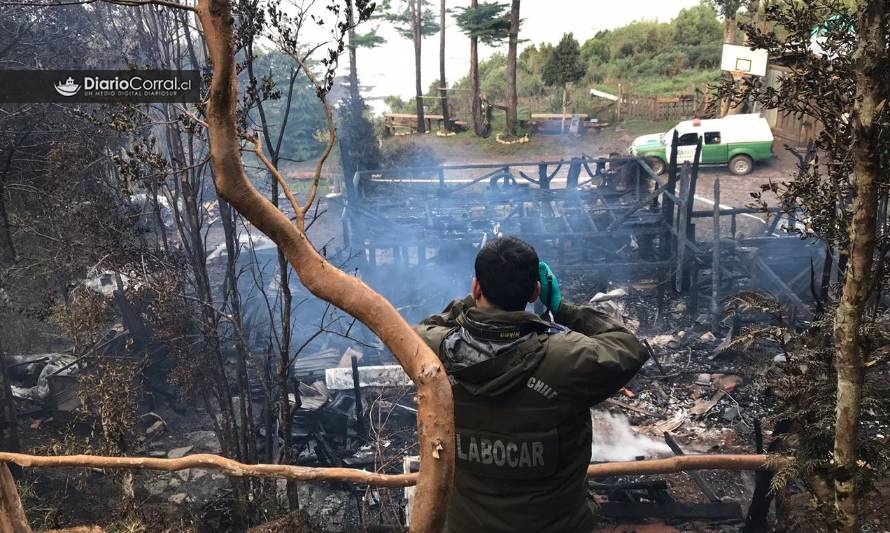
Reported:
(353, 475)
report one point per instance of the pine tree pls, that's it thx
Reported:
(358, 142)
(489, 23)
(564, 66)
(414, 19)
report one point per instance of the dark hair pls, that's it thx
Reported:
(507, 270)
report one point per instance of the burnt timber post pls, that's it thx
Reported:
(682, 223)
(543, 178)
(574, 173)
(715, 262)
(357, 390)
(686, 229)
(667, 213)
(667, 204)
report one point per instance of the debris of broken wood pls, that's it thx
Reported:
(369, 376)
(702, 406)
(617, 403)
(668, 425)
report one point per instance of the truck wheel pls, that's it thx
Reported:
(741, 165)
(656, 164)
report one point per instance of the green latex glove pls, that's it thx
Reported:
(550, 295)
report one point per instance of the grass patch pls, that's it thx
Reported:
(642, 127)
(664, 86)
(466, 147)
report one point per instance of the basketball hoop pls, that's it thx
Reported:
(741, 61)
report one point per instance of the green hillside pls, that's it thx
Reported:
(644, 57)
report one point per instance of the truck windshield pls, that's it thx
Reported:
(667, 136)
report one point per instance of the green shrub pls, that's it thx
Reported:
(407, 154)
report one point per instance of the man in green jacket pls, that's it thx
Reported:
(523, 388)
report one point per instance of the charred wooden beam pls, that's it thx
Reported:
(715, 262)
(695, 476)
(655, 484)
(357, 390)
(685, 511)
(707, 213)
(782, 286)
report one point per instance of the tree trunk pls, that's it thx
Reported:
(435, 420)
(565, 105)
(512, 98)
(871, 91)
(245, 405)
(4, 217)
(729, 31)
(476, 104)
(729, 28)
(284, 421)
(353, 63)
(9, 439)
(443, 84)
(12, 514)
(417, 30)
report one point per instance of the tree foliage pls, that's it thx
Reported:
(564, 64)
(489, 22)
(369, 39)
(695, 26)
(306, 115)
(358, 142)
(838, 81)
(400, 15)
(645, 57)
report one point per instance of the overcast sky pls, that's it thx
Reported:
(390, 68)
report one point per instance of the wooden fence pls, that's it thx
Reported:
(679, 107)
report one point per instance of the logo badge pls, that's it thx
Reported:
(69, 88)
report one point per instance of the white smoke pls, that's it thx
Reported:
(614, 439)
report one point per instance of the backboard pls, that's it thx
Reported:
(743, 59)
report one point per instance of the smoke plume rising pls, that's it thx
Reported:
(614, 439)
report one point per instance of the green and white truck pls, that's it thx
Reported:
(737, 140)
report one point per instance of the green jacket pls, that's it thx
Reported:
(523, 388)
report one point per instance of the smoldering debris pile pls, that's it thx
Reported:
(697, 389)
(357, 417)
(696, 385)
(615, 440)
(699, 393)
(367, 423)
